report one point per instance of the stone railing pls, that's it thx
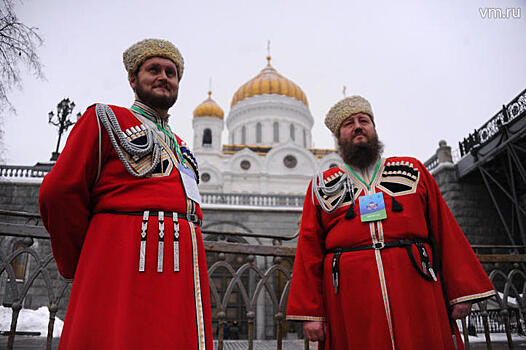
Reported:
(254, 200)
(239, 266)
(24, 171)
(431, 163)
(442, 155)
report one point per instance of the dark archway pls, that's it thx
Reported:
(207, 138)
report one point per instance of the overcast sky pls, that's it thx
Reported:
(432, 69)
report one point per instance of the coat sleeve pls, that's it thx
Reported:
(305, 301)
(65, 193)
(462, 273)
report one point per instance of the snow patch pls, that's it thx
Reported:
(495, 337)
(30, 321)
(511, 300)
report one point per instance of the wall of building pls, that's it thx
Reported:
(19, 196)
(471, 205)
(264, 221)
(23, 196)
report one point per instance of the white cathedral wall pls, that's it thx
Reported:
(286, 169)
(276, 160)
(265, 183)
(267, 109)
(216, 127)
(266, 175)
(215, 180)
(329, 161)
(214, 160)
(233, 163)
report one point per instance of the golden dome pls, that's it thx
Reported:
(209, 108)
(269, 81)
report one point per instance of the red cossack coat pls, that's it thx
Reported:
(383, 302)
(112, 305)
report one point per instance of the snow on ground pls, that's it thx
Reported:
(495, 337)
(511, 300)
(37, 321)
(30, 321)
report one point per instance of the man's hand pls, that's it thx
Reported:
(460, 310)
(314, 330)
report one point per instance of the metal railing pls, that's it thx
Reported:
(513, 110)
(496, 322)
(502, 313)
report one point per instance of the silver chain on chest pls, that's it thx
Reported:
(152, 146)
(344, 185)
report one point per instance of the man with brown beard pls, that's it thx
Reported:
(381, 262)
(123, 212)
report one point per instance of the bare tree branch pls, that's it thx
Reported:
(18, 46)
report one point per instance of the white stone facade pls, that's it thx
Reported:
(292, 118)
(268, 150)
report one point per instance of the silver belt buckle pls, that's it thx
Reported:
(379, 245)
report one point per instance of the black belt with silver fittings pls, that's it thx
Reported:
(426, 270)
(193, 218)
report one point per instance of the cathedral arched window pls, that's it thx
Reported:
(207, 138)
(304, 138)
(292, 132)
(243, 135)
(275, 126)
(258, 132)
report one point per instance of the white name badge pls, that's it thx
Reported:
(189, 184)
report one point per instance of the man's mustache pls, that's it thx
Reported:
(357, 132)
(163, 85)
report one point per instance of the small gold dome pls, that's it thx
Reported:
(209, 108)
(269, 81)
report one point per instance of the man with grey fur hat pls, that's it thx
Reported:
(381, 262)
(123, 212)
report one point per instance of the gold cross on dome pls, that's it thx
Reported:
(268, 52)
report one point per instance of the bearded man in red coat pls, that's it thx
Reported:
(123, 212)
(381, 262)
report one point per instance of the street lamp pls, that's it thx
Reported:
(64, 109)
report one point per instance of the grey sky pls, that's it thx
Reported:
(431, 69)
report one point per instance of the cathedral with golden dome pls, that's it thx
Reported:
(269, 146)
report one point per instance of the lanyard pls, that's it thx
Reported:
(361, 180)
(169, 134)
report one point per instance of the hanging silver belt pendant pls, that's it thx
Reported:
(176, 242)
(142, 252)
(433, 275)
(160, 249)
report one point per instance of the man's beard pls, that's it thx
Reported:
(155, 101)
(363, 154)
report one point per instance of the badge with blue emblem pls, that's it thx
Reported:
(372, 207)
